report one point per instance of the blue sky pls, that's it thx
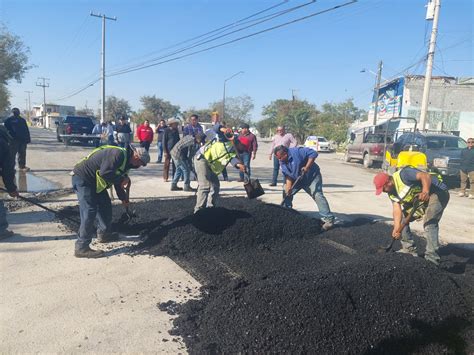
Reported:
(321, 57)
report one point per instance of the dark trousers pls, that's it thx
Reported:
(19, 148)
(92, 206)
(166, 167)
(145, 145)
(276, 169)
(225, 175)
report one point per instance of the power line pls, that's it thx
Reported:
(236, 39)
(216, 36)
(207, 33)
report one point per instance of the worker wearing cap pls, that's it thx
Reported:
(210, 161)
(298, 164)
(404, 188)
(93, 175)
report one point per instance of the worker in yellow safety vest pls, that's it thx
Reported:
(210, 161)
(410, 188)
(105, 167)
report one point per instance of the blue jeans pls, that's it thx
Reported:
(3, 217)
(246, 160)
(92, 206)
(315, 190)
(182, 169)
(160, 152)
(276, 169)
(434, 212)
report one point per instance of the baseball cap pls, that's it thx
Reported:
(244, 125)
(143, 155)
(379, 181)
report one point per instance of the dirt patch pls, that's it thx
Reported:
(274, 282)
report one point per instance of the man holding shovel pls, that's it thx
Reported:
(210, 161)
(404, 188)
(93, 175)
(301, 172)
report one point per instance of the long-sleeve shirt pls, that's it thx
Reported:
(297, 159)
(250, 142)
(184, 149)
(106, 162)
(7, 168)
(145, 133)
(192, 130)
(170, 138)
(467, 160)
(287, 140)
(18, 129)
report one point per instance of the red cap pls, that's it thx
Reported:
(379, 181)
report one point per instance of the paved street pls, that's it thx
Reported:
(51, 301)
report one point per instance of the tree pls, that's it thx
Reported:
(335, 119)
(115, 108)
(297, 115)
(157, 109)
(13, 63)
(237, 109)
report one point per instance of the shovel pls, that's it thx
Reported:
(292, 191)
(253, 188)
(58, 214)
(405, 222)
(128, 215)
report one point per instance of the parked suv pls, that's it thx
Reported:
(443, 151)
(367, 147)
(78, 127)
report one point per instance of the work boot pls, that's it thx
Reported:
(24, 169)
(107, 237)
(175, 187)
(462, 194)
(6, 234)
(188, 188)
(89, 253)
(272, 184)
(327, 225)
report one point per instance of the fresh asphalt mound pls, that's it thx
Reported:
(275, 283)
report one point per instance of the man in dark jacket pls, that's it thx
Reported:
(93, 175)
(123, 132)
(467, 169)
(7, 171)
(170, 138)
(18, 129)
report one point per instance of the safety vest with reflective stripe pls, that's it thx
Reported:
(406, 194)
(101, 183)
(218, 155)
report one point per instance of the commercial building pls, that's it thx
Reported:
(450, 108)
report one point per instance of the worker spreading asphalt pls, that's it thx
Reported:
(274, 282)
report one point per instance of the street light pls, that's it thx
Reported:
(223, 99)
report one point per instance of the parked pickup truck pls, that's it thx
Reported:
(367, 147)
(75, 128)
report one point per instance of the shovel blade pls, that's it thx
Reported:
(253, 188)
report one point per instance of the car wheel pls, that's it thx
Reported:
(367, 161)
(347, 157)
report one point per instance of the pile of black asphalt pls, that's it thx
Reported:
(274, 282)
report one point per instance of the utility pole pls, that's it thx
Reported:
(29, 103)
(377, 89)
(293, 95)
(102, 55)
(44, 85)
(429, 63)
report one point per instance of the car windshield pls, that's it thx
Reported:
(375, 138)
(78, 120)
(322, 139)
(445, 142)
